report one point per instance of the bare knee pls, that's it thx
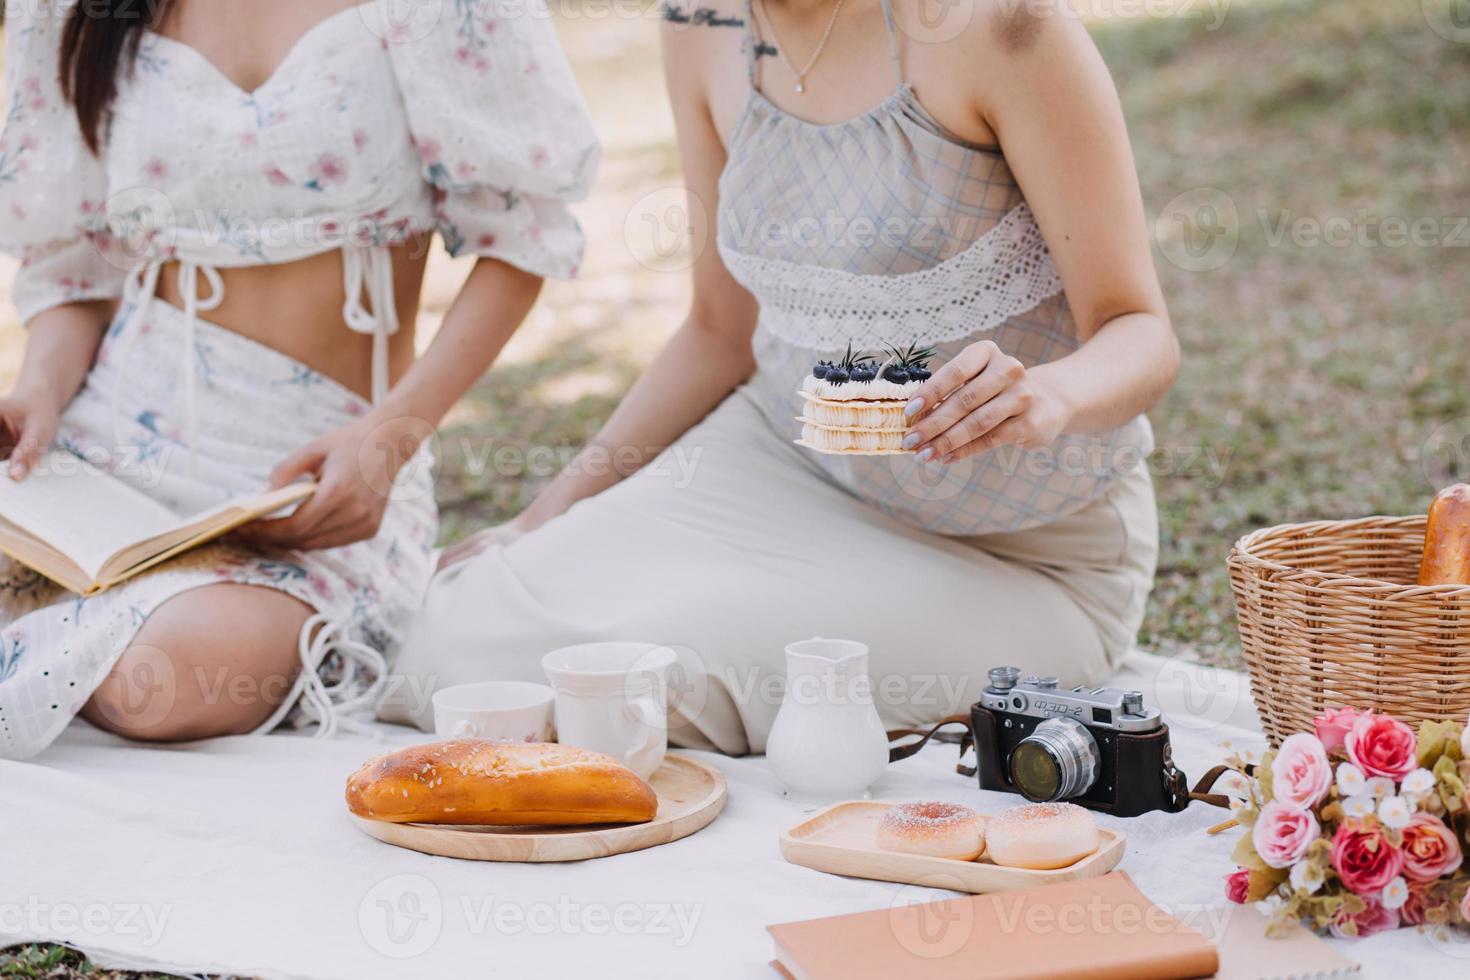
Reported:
(216, 660)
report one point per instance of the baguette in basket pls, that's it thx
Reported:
(1446, 558)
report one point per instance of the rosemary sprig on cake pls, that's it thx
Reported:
(908, 365)
(859, 365)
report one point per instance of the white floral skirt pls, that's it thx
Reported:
(255, 406)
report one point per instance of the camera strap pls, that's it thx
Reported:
(1202, 789)
(966, 741)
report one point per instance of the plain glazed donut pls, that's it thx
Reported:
(1041, 836)
(945, 830)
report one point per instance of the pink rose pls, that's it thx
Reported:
(1382, 746)
(1364, 858)
(1373, 918)
(1465, 907)
(1301, 773)
(1238, 886)
(1282, 833)
(1430, 848)
(1332, 727)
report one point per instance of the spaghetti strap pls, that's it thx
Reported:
(752, 45)
(894, 51)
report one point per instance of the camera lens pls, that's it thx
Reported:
(1058, 761)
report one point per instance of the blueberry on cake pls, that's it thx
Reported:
(855, 405)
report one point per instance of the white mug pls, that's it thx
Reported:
(502, 711)
(610, 698)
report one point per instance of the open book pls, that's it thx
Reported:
(88, 530)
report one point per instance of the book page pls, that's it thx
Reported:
(81, 511)
(199, 529)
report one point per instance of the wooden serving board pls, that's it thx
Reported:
(690, 796)
(842, 840)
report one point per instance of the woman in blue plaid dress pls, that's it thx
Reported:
(873, 178)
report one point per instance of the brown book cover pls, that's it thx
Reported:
(1101, 928)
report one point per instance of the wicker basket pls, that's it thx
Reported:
(1328, 616)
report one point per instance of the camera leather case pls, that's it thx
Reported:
(1149, 780)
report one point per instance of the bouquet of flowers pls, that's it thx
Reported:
(1358, 828)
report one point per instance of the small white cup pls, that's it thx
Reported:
(502, 711)
(610, 698)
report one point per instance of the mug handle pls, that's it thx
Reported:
(647, 710)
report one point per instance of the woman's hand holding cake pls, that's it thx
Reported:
(855, 405)
(981, 399)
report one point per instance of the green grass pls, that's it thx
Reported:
(1315, 372)
(47, 962)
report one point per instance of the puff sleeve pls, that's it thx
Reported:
(500, 127)
(52, 188)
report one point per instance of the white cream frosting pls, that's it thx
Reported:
(856, 415)
(859, 440)
(875, 390)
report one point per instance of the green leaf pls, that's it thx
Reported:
(1438, 739)
(1263, 882)
(1245, 855)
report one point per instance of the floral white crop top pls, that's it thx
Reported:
(463, 118)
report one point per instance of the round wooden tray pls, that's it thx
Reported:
(690, 796)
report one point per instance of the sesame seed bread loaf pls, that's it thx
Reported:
(473, 781)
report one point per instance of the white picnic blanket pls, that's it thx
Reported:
(237, 856)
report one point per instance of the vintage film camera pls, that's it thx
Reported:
(1097, 747)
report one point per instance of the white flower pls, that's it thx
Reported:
(1417, 784)
(1395, 812)
(1350, 781)
(1270, 905)
(1359, 806)
(1465, 740)
(1380, 787)
(1306, 877)
(1395, 893)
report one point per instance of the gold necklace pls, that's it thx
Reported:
(781, 48)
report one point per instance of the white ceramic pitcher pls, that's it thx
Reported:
(827, 742)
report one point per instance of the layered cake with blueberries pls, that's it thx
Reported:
(855, 405)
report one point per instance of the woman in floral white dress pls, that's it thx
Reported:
(278, 165)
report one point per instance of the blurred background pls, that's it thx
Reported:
(1306, 166)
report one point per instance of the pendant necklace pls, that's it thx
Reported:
(811, 62)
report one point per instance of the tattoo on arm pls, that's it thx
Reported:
(699, 17)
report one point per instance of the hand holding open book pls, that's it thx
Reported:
(88, 530)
